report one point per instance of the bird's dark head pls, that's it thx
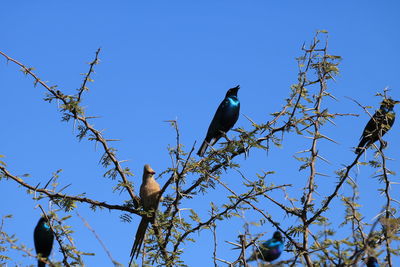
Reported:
(388, 104)
(277, 236)
(44, 221)
(233, 91)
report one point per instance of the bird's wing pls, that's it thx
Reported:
(388, 121)
(371, 125)
(221, 107)
(215, 125)
(271, 243)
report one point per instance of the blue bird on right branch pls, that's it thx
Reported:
(224, 119)
(269, 250)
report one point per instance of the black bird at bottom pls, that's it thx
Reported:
(378, 125)
(372, 262)
(43, 238)
(224, 119)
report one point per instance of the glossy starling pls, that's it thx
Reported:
(378, 125)
(225, 117)
(269, 250)
(43, 238)
(372, 262)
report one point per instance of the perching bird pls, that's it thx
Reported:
(378, 125)
(150, 196)
(269, 250)
(225, 117)
(43, 238)
(372, 262)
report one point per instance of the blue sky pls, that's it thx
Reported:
(175, 60)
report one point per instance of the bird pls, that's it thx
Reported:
(224, 119)
(43, 238)
(378, 125)
(372, 262)
(269, 250)
(150, 197)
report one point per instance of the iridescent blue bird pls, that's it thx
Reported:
(225, 117)
(372, 262)
(378, 125)
(43, 238)
(269, 250)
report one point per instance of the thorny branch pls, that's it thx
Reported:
(387, 231)
(99, 240)
(71, 106)
(314, 153)
(87, 75)
(58, 196)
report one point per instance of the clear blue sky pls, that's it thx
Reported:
(164, 60)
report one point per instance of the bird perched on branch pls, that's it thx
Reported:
(378, 125)
(269, 250)
(43, 238)
(150, 196)
(225, 117)
(372, 262)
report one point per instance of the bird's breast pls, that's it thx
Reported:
(233, 101)
(149, 193)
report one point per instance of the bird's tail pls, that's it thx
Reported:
(361, 146)
(253, 257)
(41, 263)
(140, 233)
(207, 143)
(202, 149)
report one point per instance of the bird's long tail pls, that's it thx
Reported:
(207, 143)
(41, 263)
(361, 145)
(203, 148)
(140, 233)
(251, 258)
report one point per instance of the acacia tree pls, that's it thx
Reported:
(311, 240)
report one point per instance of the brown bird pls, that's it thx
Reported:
(150, 196)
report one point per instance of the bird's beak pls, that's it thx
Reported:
(236, 88)
(396, 102)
